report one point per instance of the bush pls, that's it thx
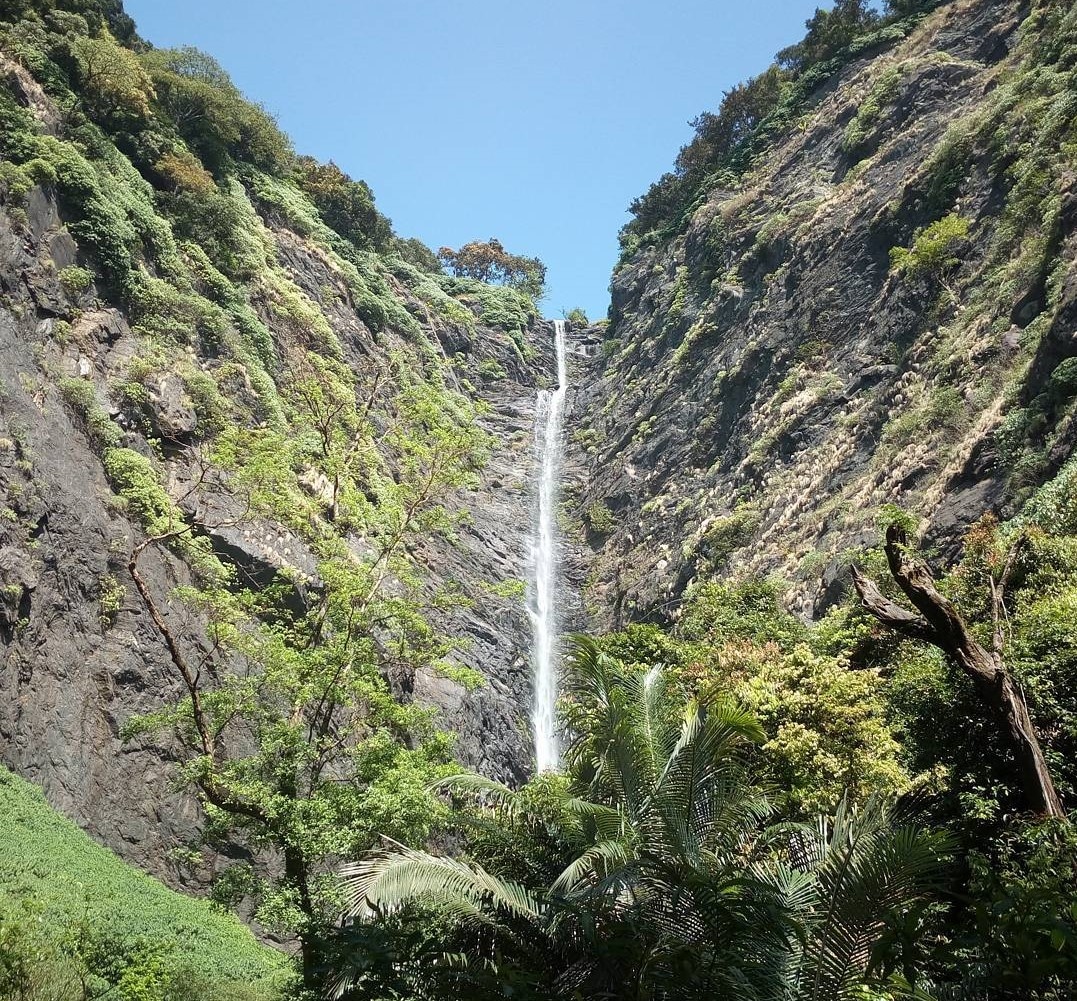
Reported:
(490, 263)
(81, 396)
(870, 111)
(75, 280)
(600, 518)
(112, 81)
(69, 907)
(934, 249)
(213, 117)
(576, 319)
(136, 481)
(345, 205)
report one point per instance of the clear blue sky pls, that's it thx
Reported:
(534, 122)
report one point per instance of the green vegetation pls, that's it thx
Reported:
(490, 263)
(77, 923)
(871, 110)
(576, 318)
(652, 866)
(81, 396)
(614, 868)
(75, 280)
(754, 114)
(600, 518)
(934, 250)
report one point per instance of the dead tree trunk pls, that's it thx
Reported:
(936, 621)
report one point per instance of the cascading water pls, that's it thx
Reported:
(544, 560)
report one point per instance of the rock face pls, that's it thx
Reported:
(769, 380)
(78, 653)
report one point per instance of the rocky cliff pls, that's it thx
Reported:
(876, 308)
(89, 374)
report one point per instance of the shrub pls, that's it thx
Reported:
(110, 595)
(417, 254)
(728, 534)
(81, 397)
(576, 319)
(135, 480)
(75, 280)
(112, 81)
(491, 263)
(182, 171)
(600, 518)
(345, 205)
(491, 368)
(71, 907)
(934, 249)
(869, 113)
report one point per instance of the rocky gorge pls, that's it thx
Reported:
(240, 419)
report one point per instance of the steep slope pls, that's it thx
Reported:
(65, 881)
(873, 305)
(189, 352)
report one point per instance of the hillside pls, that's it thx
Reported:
(874, 306)
(180, 328)
(78, 903)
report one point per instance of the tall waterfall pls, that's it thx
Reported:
(544, 560)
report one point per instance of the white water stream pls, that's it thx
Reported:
(544, 560)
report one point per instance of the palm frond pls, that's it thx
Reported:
(391, 879)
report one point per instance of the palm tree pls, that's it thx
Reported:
(672, 882)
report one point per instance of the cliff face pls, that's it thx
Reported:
(879, 311)
(79, 653)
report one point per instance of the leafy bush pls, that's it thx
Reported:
(75, 280)
(81, 396)
(600, 518)
(490, 263)
(725, 535)
(346, 205)
(134, 478)
(112, 81)
(934, 249)
(576, 319)
(213, 117)
(870, 111)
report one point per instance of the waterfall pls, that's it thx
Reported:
(544, 560)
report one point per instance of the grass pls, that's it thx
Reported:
(48, 862)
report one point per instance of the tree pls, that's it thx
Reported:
(111, 78)
(489, 262)
(936, 621)
(671, 884)
(287, 726)
(211, 114)
(829, 31)
(346, 205)
(417, 253)
(718, 134)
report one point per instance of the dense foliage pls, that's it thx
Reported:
(182, 197)
(655, 869)
(490, 262)
(675, 855)
(76, 923)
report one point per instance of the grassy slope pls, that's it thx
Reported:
(46, 858)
